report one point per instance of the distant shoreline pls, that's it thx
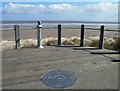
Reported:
(54, 24)
(57, 21)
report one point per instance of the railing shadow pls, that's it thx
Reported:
(100, 52)
(103, 54)
(82, 48)
(116, 60)
(67, 46)
(30, 47)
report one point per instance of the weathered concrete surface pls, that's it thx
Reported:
(23, 68)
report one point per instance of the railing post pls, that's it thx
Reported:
(101, 37)
(17, 36)
(39, 37)
(82, 36)
(59, 35)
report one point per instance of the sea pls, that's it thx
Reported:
(9, 25)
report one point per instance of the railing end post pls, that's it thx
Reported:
(17, 36)
(82, 35)
(101, 40)
(59, 34)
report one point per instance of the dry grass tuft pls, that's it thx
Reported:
(109, 43)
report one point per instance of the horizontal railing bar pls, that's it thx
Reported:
(63, 28)
(7, 29)
(19, 29)
(70, 28)
(26, 28)
(93, 28)
(112, 30)
(49, 27)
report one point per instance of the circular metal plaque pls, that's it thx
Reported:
(59, 79)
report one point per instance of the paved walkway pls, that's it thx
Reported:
(23, 68)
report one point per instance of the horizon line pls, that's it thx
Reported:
(63, 21)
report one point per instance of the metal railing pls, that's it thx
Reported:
(59, 27)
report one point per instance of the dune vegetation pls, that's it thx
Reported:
(109, 43)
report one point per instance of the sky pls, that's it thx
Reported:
(79, 11)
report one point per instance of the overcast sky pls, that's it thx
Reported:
(81, 11)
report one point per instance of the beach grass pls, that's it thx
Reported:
(109, 43)
(116, 45)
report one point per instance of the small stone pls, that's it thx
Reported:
(94, 63)
(102, 70)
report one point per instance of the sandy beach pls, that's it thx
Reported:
(32, 34)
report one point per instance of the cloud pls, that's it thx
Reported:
(98, 7)
(98, 11)
(105, 11)
(0, 10)
(61, 7)
(23, 8)
(101, 7)
(27, 8)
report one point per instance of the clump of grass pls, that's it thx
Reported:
(75, 40)
(94, 43)
(112, 43)
(72, 41)
(87, 42)
(68, 42)
(5, 45)
(108, 46)
(116, 45)
(28, 43)
(51, 42)
(109, 43)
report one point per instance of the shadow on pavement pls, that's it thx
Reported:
(81, 48)
(105, 52)
(116, 60)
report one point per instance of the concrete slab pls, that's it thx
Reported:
(23, 68)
